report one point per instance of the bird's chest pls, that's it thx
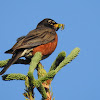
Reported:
(46, 49)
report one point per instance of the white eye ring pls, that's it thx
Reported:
(49, 21)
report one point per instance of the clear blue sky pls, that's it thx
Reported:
(80, 80)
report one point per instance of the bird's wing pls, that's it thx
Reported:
(35, 38)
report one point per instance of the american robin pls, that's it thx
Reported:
(42, 39)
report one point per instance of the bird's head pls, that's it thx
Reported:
(51, 24)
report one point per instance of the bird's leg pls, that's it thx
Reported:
(22, 61)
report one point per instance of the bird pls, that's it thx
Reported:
(42, 39)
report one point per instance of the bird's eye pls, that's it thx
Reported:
(49, 21)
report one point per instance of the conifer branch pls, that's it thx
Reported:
(13, 76)
(58, 60)
(3, 63)
(68, 59)
(34, 62)
(44, 79)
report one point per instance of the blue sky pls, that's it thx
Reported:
(80, 80)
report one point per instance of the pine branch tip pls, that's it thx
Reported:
(13, 76)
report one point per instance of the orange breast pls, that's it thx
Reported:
(48, 48)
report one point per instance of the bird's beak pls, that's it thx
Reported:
(57, 26)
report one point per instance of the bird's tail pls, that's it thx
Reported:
(9, 51)
(11, 61)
